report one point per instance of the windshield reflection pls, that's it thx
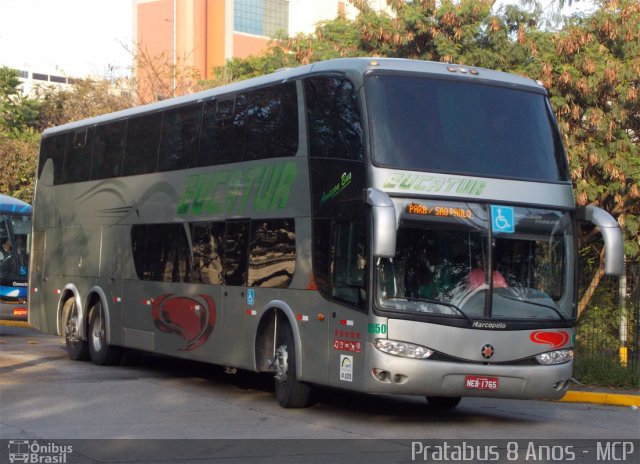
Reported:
(448, 267)
(440, 125)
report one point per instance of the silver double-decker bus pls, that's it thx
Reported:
(379, 225)
(15, 232)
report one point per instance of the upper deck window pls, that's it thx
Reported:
(141, 144)
(335, 128)
(77, 158)
(258, 124)
(439, 125)
(108, 150)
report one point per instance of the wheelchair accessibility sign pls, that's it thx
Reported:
(502, 219)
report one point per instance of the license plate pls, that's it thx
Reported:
(476, 382)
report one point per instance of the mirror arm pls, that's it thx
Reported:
(612, 235)
(384, 223)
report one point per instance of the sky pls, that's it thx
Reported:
(73, 38)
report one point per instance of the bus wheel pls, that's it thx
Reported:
(290, 392)
(443, 403)
(77, 348)
(101, 353)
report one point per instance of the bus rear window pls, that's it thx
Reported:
(452, 126)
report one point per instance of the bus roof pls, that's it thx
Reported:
(344, 65)
(13, 205)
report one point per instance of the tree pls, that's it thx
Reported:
(18, 139)
(593, 77)
(17, 113)
(18, 160)
(465, 31)
(84, 98)
(158, 77)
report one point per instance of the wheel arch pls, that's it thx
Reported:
(71, 291)
(266, 332)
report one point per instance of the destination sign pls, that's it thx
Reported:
(441, 211)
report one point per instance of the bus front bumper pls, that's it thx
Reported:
(387, 374)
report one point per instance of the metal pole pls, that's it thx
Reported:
(624, 319)
(174, 46)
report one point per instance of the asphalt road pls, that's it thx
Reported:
(192, 412)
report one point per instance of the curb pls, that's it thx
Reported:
(8, 323)
(613, 399)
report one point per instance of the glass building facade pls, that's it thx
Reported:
(260, 17)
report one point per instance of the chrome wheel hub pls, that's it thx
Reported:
(281, 363)
(97, 334)
(73, 334)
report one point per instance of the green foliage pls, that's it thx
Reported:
(18, 139)
(17, 113)
(603, 369)
(254, 66)
(593, 78)
(18, 159)
(598, 335)
(85, 98)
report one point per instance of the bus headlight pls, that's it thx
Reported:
(402, 349)
(555, 357)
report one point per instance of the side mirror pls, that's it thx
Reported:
(613, 242)
(384, 223)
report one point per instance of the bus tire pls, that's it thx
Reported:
(443, 403)
(77, 349)
(100, 351)
(290, 392)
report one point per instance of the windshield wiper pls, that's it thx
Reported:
(436, 302)
(555, 310)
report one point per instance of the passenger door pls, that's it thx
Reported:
(349, 294)
(237, 351)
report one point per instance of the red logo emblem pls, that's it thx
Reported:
(555, 339)
(191, 318)
(487, 351)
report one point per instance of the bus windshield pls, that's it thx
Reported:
(14, 258)
(453, 259)
(452, 126)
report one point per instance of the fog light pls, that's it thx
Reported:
(555, 357)
(380, 374)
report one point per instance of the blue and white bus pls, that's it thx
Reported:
(15, 230)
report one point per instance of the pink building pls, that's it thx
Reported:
(209, 32)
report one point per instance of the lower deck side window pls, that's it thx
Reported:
(257, 253)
